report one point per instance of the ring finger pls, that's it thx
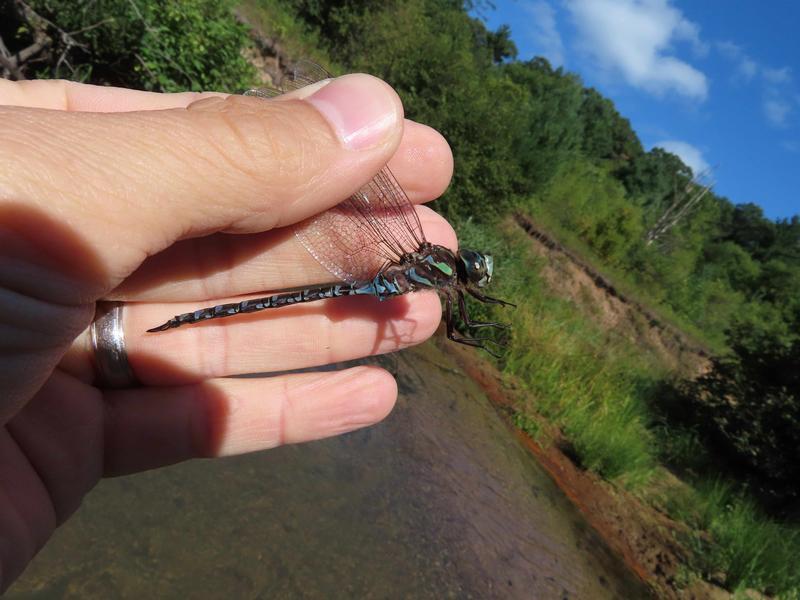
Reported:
(274, 340)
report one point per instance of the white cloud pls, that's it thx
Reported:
(776, 103)
(783, 75)
(634, 38)
(544, 32)
(690, 155)
(777, 110)
(729, 49)
(690, 32)
(747, 67)
(791, 146)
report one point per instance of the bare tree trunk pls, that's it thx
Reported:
(681, 206)
(46, 34)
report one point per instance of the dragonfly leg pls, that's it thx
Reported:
(487, 299)
(462, 307)
(451, 330)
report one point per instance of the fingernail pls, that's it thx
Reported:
(361, 109)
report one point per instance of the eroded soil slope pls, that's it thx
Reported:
(570, 277)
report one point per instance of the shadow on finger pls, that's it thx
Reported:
(153, 427)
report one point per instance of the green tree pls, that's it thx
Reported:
(606, 133)
(787, 240)
(749, 228)
(500, 44)
(439, 61)
(749, 406)
(550, 126)
(591, 203)
(730, 263)
(651, 178)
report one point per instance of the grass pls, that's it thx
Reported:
(579, 377)
(740, 543)
(598, 389)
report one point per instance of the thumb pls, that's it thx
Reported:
(127, 185)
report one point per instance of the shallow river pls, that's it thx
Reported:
(439, 501)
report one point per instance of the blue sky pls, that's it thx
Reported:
(716, 82)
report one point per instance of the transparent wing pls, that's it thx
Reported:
(301, 74)
(298, 75)
(373, 227)
(357, 237)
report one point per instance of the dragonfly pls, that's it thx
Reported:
(373, 243)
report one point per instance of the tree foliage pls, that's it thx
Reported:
(606, 133)
(173, 45)
(550, 129)
(748, 405)
(592, 205)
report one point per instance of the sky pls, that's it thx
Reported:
(716, 82)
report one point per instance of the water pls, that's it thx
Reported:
(439, 501)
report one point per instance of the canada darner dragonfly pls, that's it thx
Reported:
(374, 243)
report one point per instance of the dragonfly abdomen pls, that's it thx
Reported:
(380, 286)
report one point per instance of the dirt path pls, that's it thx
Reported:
(643, 537)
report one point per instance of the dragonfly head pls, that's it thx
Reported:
(476, 267)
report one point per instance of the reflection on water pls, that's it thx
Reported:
(439, 501)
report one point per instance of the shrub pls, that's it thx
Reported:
(174, 45)
(749, 406)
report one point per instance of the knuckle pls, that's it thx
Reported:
(274, 146)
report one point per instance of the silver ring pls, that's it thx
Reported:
(108, 347)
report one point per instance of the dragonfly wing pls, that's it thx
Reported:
(298, 75)
(374, 226)
(265, 93)
(301, 74)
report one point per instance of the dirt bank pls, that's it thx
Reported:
(570, 277)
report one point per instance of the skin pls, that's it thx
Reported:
(173, 202)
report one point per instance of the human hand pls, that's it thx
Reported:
(169, 203)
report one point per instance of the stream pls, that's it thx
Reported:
(438, 501)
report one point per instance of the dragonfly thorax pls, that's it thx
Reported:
(431, 266)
